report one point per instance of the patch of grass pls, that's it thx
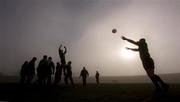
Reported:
(89, 93)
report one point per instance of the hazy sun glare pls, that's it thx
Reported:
(127, 54)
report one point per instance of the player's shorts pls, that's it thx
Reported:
(148, 63)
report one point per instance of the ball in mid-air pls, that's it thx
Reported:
(114, 30)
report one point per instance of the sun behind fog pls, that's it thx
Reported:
(127, 54)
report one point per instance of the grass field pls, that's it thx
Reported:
(90, 93)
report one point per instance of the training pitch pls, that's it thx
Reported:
(90, 93)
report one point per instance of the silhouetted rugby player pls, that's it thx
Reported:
(97, 77)
(50, 70)
(84, 74)
(31, 70)
(69, 73)
(62, 54)
(23, 72)
(42, 70)
(58, 73)
(63, 59)
(147, 62)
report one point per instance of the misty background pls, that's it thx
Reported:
(31, 28)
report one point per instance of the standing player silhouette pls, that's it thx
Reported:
(50, 70)
(147, 62)
(97, 77)
(84, 74)
(58, 73)
(23, 72)
(31, 70)
(69, 74)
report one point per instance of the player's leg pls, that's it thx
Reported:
(71, 79)
(163, 84)
(66, 79)
(150, 73)
(84, 81)
(49, 79)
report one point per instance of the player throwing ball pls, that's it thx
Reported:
(148, 63)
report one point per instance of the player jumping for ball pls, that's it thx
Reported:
(147, 62)
(63, 60)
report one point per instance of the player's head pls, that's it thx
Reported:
(69, 62)
(26, 62)
(34, 59)
(142, 40)
(58, 64)
(50, 58)
(45, 57)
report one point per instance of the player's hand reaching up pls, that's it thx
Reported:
(124, 38)
(128, 48)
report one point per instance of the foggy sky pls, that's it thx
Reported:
(37, 27)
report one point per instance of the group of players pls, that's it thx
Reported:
(46, 69)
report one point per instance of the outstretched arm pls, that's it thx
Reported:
(129, 40)
(133, 49)
(65, 50)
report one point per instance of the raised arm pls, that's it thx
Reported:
(133, 49)
(60, 47)
(129, 40)
(65, 50)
